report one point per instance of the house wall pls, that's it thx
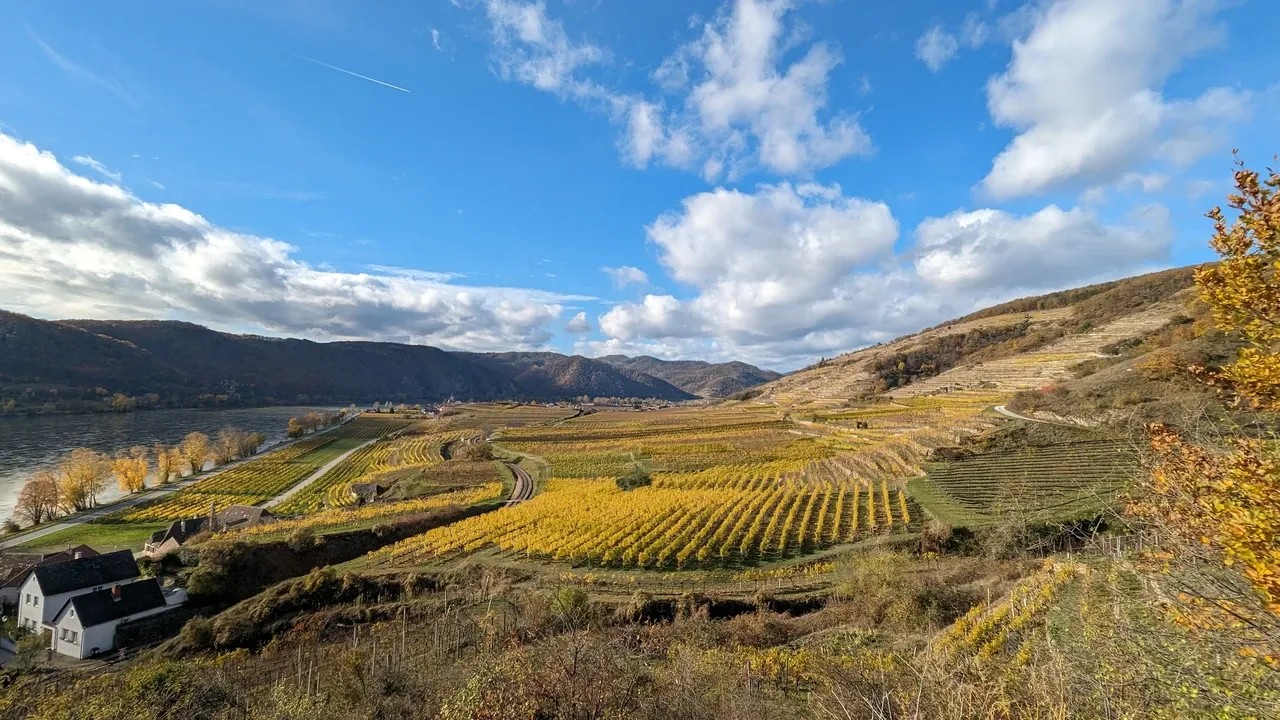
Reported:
(44, 613)
(97, 638)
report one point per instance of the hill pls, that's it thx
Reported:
(1024, 344)
(697, 376)
(76, 364)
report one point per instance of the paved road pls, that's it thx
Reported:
(132, 500)
(524, 485)
(314, 476)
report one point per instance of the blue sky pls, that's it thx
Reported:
(755, 179)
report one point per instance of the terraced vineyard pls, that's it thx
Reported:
(677, 522)
(1052, 482)
(350, 518)
(993, 629)
(333, 489)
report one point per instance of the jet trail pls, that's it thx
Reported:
(353, 74)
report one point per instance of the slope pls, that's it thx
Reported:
(697, 376)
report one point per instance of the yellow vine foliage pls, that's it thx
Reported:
(1243, 289)
(1223, 504)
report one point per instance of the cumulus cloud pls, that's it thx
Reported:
(70, 246)
(988, 251)
(732, 103)
(936, 47)
(789, 272)
(579, 324)
(1083, 92)
(626, 275)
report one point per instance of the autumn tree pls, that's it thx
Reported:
(82, 476)
(295, 428)
(1243, 289)
(130, 468)
(195, 451)
(1213, 508)
(249, 443)
(166, 463)
(228, 445)
(38, 499)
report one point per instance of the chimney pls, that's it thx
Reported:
(213, 517)
(115, 593)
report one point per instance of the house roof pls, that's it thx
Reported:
(238, 514)
(86, 572)
(18, 575)
(180, 530)
(98, 607)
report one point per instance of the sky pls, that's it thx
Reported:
(772, 181)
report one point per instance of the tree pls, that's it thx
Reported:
(295, 428)
(166, 462)
(1214, 508)
(82, 476)
(249, 443)
(195, 451)
(636, 477)
(38, 499)
(1243, 289)
(131, 468)
(227, 447)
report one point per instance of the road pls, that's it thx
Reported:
(1011, 414)
(132, 500)
(314, 476)
(524, 485)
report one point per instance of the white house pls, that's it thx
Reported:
(22, 563)
(48, 587)
(86, 624)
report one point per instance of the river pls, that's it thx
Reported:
(30, 442)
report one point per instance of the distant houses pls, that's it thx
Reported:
(82, 601)
(163, 542)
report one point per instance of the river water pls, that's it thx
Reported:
(27, 443)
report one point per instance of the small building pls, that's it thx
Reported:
(86, 624)
(47, 588)
(165, 541)
(365, 492)
(20, 564)
(234, 517)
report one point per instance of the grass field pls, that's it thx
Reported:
(103, 537)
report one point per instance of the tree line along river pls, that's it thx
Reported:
(31, 442)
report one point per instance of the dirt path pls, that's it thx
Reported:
(524, 485)
(1011, 414)
(314, 476)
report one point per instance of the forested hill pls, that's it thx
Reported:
(77, 364)
(696, 376)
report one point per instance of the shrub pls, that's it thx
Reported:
(637, 477)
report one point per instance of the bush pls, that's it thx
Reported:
(637, 477)
(475, 452)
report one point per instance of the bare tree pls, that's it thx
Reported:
(38, 499)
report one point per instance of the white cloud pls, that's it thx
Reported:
(936, 47)
(96, 166)
(974, 33)
(735, 105)
(1083, 93)
(435, 39)
(578, 324)
(1196, 188)
(156, 185)
(626, 275)
(70, 246)
(788, 273)
(986, 251)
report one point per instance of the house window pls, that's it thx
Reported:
(37, 600)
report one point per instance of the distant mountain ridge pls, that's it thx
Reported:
(73, 362)
(699, 377)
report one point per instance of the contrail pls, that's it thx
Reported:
(353, 74)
